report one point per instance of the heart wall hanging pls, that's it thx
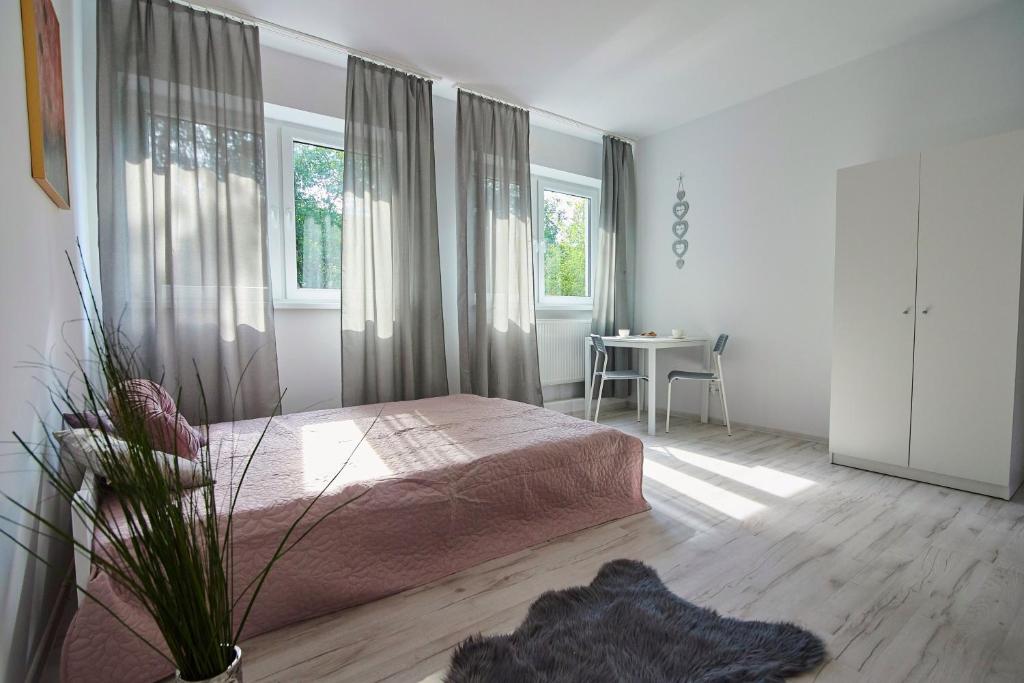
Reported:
(681, 226)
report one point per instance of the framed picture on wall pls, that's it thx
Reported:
(45, 94)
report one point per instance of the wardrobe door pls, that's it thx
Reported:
(873, 333)
(969, 269)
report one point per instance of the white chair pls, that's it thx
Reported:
(714, 378)
(612, 375)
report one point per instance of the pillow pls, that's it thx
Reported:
(166, 429)
(85, 446)
(100, 419)
(89, 419)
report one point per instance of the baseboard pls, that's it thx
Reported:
(984, 488)
(757, 428)
(577, 406)
(44, 648)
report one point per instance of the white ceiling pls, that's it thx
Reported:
(635, 67)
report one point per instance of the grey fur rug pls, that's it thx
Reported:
(627, 626)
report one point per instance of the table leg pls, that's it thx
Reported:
(652, 385)
(641, 364)
(706, 389)
(588, 372)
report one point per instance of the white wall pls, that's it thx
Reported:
(308, 340)
(760, 178)
(38, 309)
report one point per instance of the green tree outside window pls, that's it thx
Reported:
(566, 219)
(319, 193)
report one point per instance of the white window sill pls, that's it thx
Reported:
(336, 305)
(564, 307)
(309, 304)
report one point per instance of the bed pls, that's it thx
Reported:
(449, 482)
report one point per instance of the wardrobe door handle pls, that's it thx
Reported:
(924, 311)
(906, 311)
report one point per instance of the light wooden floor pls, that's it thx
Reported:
(904, 581)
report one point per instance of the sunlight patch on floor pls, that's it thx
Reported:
(726, 502)
(762, 478)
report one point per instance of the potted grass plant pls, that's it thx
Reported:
(172, 548)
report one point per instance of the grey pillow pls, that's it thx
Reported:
(100, 419)
(84, 447)
(90, 419)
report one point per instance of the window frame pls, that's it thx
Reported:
(323, 131)
(592, 192)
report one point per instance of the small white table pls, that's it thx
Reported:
(651, 344)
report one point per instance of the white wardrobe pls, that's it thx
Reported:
(928, 345)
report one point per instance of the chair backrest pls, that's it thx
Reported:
(720, 343)
(598, 343)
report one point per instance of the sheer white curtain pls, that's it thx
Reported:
(497, 321)
(182, 202)
(392, 336)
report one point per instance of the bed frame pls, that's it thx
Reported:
(82, 528)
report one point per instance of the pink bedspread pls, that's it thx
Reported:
(453, 481)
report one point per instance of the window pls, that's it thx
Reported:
(565, 214)
(317, 193)
(305, 192)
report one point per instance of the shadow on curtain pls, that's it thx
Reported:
(182, 203)
(392, 338)
(497, 320)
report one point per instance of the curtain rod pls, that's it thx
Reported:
(346, 50)
(545, 113)
(306, 38)
(486, 96)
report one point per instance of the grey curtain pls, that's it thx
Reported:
(614, 293)
(182, 202)
(392, 329)
(497, 322)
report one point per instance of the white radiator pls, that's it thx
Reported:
(560, 345)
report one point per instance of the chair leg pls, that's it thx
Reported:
(600, 392)
(590, 398)
(638, 400)
(668, 406)
(725, 407)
